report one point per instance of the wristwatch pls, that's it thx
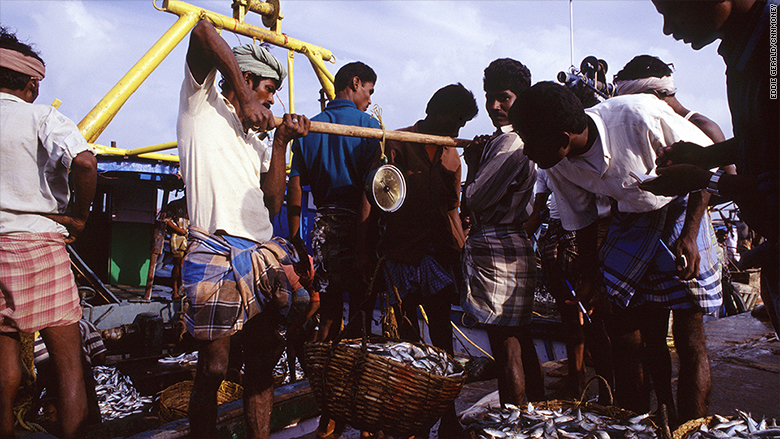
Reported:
(712, 185)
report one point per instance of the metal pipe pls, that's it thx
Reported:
(96, 120)
(290, 81)
(102, 149)
(151, 148)
(231, 24)
(325, 77)
(261, 7)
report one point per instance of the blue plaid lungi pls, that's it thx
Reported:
(426, 278)
(639, 266)
(228, 280)
(499, 266)
(334, 244)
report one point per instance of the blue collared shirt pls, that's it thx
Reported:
(335, 166)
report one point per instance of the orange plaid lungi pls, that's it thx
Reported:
(38, 289)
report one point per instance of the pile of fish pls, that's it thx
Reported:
(425, 358)
(116, 395)
(511, 422)
(742, 426)
(183, 359)
(282, 368)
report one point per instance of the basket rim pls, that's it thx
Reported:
(393, 362)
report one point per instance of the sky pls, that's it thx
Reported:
(415, 47)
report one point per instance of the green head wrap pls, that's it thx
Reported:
(258, 61)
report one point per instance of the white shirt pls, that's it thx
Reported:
(37, 147)
(630, 131)
(220, 163)
(544, 187)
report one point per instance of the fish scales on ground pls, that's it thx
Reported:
(742, 426)
(116, 395)
(511, 422)
(425, 358)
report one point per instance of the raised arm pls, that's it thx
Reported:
(293, 126)
(208, 50)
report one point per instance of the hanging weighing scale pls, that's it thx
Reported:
(386, 186)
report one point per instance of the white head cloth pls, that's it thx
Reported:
(664, 85)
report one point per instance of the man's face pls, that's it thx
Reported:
(498, 103)
(697, 23)
(541, 151)
(264, 92)
(544, 156)
(447, 125)
(363, 95)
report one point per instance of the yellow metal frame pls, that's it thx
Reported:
(103, 113)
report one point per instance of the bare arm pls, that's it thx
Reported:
(83, 176)
(294, 198)
(535, 220)
(175, 227)
(208, 50)
(686, 243)
(273, 187)
(587, 263)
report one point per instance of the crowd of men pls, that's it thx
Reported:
(625, 250)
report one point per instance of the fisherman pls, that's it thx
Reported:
(422, 241)
(231, 273)
(558, 249)
(177, 222)
(94, 355)
(743, 26)
(335, 168)
(38, 217)
(649, 75)
(498, 260)
(589, 152)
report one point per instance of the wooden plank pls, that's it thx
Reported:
(292, 403)
(376, 133)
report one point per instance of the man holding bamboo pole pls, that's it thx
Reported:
(231, 271)
(335, 168)
(423, 239)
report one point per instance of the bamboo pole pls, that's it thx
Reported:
(377, 133)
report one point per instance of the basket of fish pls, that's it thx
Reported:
(720, 427)
(400, 388)
(558, 420)
(175, 400)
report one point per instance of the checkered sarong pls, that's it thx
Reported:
(36, 282)
(639, 269)
(424, 279)
(333, 241)
(558, 248)
(499, 266)
(228, 280)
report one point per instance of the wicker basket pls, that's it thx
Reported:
(175, 400)
(605, 410)
(691, 426)
(371, 392)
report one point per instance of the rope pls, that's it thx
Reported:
(376, 112)
(425, 319)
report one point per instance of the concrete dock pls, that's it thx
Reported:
(744, 362)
